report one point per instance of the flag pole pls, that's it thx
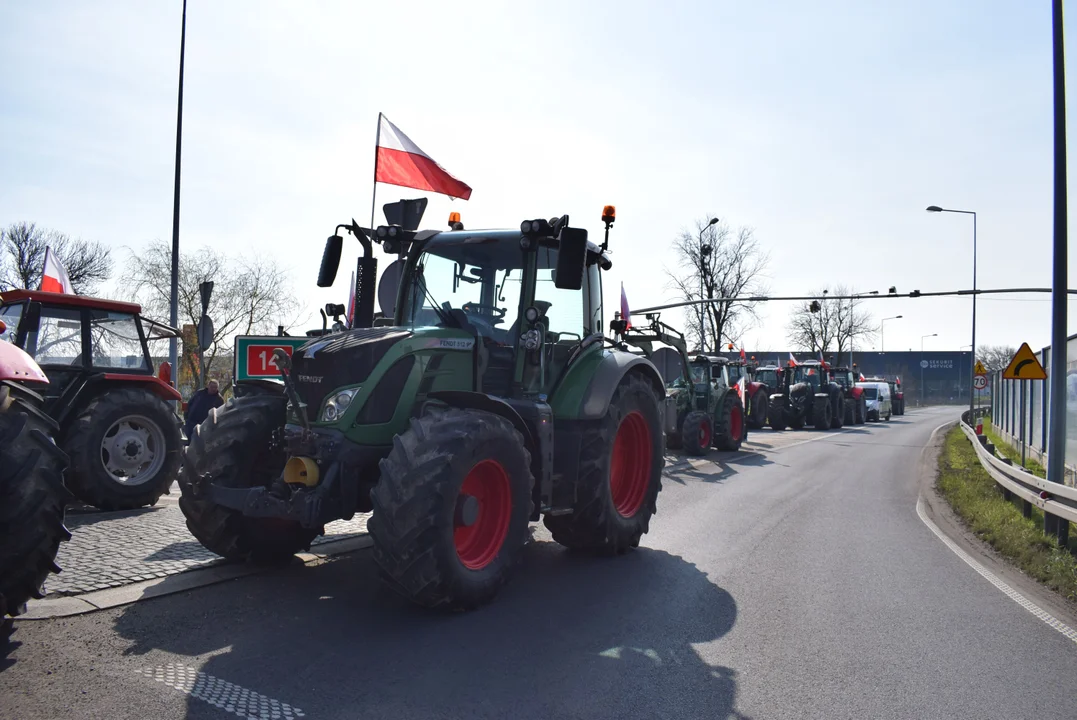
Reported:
(374, 190)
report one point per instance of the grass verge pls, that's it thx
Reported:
(976, 498)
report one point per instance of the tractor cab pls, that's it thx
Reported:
(110, 403)
(769, 375)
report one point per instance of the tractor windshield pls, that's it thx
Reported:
(10, 315)
(768, 377)
(808, 374)
(474, 286)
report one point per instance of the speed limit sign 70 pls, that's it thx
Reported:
(979, 382)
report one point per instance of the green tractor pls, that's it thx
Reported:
(485, 397)
(706, 409)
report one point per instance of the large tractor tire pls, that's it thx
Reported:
(698, 433)
(233, 448)
(777, 417)
(821, 414)
(730, 430)
(757, 410)
(32, 499)
(451, 508)
(125, 449)
(861, 410)
(620, 475)
(796, 420)
(837, 418)
(850, 411)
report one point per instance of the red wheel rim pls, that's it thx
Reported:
(705, 434)
(630, 465)
(736, 422)
(479, 543)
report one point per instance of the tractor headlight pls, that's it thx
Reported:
(338, 404)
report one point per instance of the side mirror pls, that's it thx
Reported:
(327, 273)
(571, 259)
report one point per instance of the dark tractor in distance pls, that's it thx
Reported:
(856, 407)
(486, 399)
(807, 396)
(705, 409)
(32, 492)
(115, 420)
(758, 400)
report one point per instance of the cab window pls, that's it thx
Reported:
(115, 341)
(58, 338)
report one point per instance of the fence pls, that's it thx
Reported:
(1019, 411)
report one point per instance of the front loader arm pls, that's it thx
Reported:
(657, 331)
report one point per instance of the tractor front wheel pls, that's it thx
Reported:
(620, 474)
(757, 414)
(125, 448)
(698, 433)
(233, 448)
(837, 419)
(32, 499)
(731, 430)
(777, 417)
(451, 508)
(862, 410)
(821, 414)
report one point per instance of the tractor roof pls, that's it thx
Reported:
(53, 298)
(475, 247)
(714, 359)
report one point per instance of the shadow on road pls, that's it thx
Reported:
(570, 636)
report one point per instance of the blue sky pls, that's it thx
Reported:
(826, 127)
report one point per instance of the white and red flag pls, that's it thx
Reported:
(54, 278)
(743, 358)
(625, 315)
(793, 360)
(402, 162)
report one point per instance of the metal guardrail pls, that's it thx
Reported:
(1051, 498)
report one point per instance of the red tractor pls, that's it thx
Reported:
(32, 492)
(113, 413)
(856, 405)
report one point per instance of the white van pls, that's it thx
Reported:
(877, 395)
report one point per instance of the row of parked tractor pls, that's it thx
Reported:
(456, 417)
(717, 399)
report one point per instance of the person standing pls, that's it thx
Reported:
(199, 405)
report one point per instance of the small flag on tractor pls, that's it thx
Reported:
(625, 314)
(792, 360)
(54, 277)
(401, 162)
(743, 358)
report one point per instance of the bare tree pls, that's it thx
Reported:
(22, 258)
(250, 296)
(830, 324)
(726, 264)
(996, 357)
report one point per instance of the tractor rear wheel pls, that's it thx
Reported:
(777, 417)
(731, 430)
(32, 499)
(125, 448)
(620, 474)
(698, 433)
(821, 414)
(849, 411)
(757, 414)
(838, 416)
(796, 420)
(451, 508)
(233, 448)
(861, 410)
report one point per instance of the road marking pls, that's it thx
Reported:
(1017, 597)
(221, 693)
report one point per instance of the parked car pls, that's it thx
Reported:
(877, 395)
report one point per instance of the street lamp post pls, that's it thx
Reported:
(882, 330)
(173, 349)
(922, 365)
(704, 251)
(972, 364)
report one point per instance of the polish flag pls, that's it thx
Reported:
(401, 162)
(793, 360)
(742, 356)
(351, 301)
(54, 278)
(625, 315)
(861, 377)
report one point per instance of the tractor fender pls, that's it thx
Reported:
(154, 384)
(754, 387)
(468, 399)
(16, 364)
(856, 392)
(608, 375)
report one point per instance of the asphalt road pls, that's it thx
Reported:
(797, 582)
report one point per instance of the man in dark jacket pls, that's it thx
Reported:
(199, 405)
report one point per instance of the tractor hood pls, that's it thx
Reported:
(346, 358)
